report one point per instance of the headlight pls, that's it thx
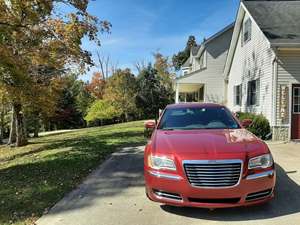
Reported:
(263, 161)
(161, 162)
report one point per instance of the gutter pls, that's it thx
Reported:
(285, 45)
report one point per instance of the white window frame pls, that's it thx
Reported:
(257, 93)
(235, 89)
(247, 27)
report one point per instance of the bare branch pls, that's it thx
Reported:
(141, 65)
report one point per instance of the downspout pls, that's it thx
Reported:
(225, 92)
(274, 85)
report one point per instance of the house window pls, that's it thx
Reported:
(253, 92)
(296, 102)
(238, 94)
(247, 31)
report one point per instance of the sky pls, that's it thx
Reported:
(142, 27)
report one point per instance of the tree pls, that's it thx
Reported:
(42, 104)
(83, 98)
(166, 77)
(152, 93)
(140, 65)
(106, 65)
(4, 109)
(97, 85)
(121, 91)
(101, 110)
(67, 114)
(34, 36)
(180, 58)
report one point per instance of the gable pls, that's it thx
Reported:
(242, 16)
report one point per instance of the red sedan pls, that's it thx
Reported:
(200, 155)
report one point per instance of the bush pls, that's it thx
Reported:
(260, 125)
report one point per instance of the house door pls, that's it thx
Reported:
(296, 112)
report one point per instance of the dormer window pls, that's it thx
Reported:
(247, 31)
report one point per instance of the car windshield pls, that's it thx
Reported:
(197, 118)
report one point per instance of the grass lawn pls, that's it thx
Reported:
(33, 178)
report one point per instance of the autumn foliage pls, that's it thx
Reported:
(97, 85)
(38, 45)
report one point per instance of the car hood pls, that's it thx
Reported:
(208, 144)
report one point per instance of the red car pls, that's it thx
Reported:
(200, 155)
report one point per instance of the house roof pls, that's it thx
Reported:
(197, 50)
(228, 27)
(278, 20)
(186, 63)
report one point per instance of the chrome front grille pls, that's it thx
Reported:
(213, 173)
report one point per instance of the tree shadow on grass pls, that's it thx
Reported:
(86, 143)
(285, 202)
(32, 187)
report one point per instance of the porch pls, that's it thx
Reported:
(189, 92)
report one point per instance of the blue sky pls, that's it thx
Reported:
(141, 27)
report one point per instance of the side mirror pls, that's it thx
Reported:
(150, 124)
(149, 127)
(246, 122)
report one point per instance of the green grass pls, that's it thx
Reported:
(33, 178)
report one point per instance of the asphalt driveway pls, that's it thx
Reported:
(114, 194)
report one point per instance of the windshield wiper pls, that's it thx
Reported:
(167, 129)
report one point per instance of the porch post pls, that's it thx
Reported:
(177, 93)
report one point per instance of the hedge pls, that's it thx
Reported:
(260, 125)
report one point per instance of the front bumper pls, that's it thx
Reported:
(176, 190)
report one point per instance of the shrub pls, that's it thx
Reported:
(260, 125)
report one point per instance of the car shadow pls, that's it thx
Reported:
(285, 202)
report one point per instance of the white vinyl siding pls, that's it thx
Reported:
(288, 73)
(252, 61)
(211, 75)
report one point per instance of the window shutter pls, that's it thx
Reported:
(241, 92)
(234, 95)
(249, 29)
(248, 92)
(257, 91)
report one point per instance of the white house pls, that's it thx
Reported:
(202, 79)
(251, 66)
(262, 70)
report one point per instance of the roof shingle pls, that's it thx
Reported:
(279, 20)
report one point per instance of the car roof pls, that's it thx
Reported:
(192, 105)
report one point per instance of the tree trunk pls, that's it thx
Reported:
(21, 138)
(36, 129)
(36, 125)
(12, 132)
(1, 126)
